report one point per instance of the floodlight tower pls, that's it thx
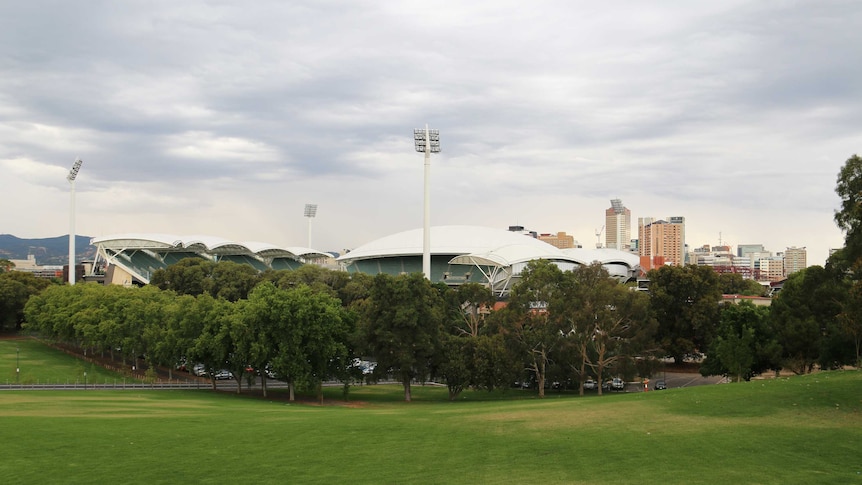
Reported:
(73, 174)
(310, 212)
(427, 142)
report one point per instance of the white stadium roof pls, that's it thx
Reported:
(207, 244)
(482, 246)
(447, 240)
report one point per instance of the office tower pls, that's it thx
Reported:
(661, 242)
(618, 222)
(795, 259)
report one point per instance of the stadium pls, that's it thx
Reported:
(459, 254)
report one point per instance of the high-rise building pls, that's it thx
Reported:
(618, 223)
(661, 242)
(795, 259)
(770, 268)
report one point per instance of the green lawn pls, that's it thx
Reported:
(799, 430)
(41, 364)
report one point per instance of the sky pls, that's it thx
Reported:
(224, 118)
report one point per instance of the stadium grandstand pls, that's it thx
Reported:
(131, 259)
(494, 257)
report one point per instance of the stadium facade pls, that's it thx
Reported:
(459, 254)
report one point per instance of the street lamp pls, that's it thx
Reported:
(310, 212)
(17, 365)
(427, 142)
(73, 173)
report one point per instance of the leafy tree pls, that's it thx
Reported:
(400, 326)
(849, 217)
(851, 319)
(187, 277)
(685, 301)
(16, 287)
(808, 305)
(745, 344)
(534, 335)
(212, 347)
(6, 265)
(471, 303)
(735, 284)
(231, 281)
(600, 319)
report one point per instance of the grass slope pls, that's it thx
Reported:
(799, 430)
(40, 364)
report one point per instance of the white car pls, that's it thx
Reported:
(223, 374)
(590, 384)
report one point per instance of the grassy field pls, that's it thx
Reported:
(40, 364)
(793, 430)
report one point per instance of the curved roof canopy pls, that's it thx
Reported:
(203, 244)
(447, 240)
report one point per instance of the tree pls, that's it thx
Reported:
(400, 326)
(851, 319)
(808, 305)
(534, 335)
(187, 277)
(849, 217)
(16, 287)
(600, 319)
(231, 281)
(685, 301)
(745, 344)
(735, 284)
(6, 265)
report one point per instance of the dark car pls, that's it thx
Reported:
(660, 386)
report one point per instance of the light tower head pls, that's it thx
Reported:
(310, 210)
(433, 140)
(73, 173)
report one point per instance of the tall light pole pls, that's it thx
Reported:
(428, 142)
(73, 173)
(17, 365)
(310, 212)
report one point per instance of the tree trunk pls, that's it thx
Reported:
(290, 392)
(406, 383)
(263, 383)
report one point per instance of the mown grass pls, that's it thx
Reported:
(41, 364)
(797, 430)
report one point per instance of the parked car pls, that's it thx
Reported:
(223, 374)
(199, 370)
(660, 385)
(590, 384)
(618, 384)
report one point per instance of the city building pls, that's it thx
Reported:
(560, 240)
(770, 269)
(618, 222)
(661, 242)
(795, 259)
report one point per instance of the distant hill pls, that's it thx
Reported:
(48, 251)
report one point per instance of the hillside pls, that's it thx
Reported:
(48, 251)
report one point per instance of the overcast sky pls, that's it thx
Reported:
(225, 118)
